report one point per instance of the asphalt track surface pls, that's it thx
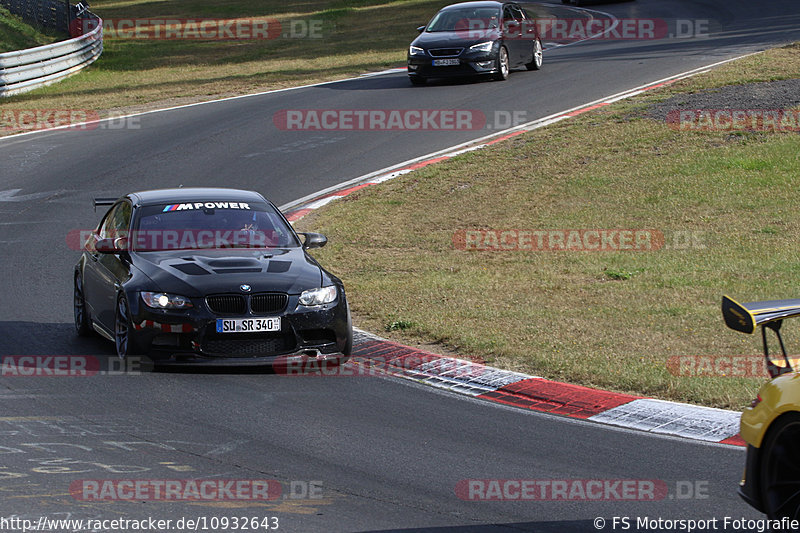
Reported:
(388, 454)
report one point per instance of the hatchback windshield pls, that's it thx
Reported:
(465, 19)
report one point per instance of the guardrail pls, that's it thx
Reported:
(25, 70)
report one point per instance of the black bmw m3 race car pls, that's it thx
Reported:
(207, 275)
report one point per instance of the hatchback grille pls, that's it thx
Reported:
(227, 304)
(268, 303)
(445, 52)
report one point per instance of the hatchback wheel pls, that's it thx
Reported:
(502, 65)
(538, 56)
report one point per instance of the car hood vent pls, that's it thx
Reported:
(235, 263)
(279, 266)
(192, 269)
(285, 270)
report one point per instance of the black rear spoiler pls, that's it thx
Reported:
(769, 315)
(104, 202)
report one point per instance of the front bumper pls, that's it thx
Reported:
(469, 65)
(190, 336)
(299, 359)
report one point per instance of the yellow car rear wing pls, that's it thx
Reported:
(769, 315)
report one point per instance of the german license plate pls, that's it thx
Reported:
(445, 62)
(248, 325)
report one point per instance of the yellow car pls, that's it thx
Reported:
(771, 425)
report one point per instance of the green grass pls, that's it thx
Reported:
(136, 74)
(726, 205)
(17, 35)
(140, 74)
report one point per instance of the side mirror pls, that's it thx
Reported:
(111, 246)
(421, 29)
(314, 240)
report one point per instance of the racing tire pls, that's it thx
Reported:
(82, 326)
(125, 338)
(538, 56)
(502, 65)
(780, 469)
(348, 346)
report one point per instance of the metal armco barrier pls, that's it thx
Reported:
(25, 70)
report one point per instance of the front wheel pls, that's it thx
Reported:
(125, 338)
(416, 80)
(348, 346)
(780, 469)
(538, 56)
(502, 65)
(82, 326)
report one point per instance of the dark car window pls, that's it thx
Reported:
(224, 224)
(465, 19)
(518, 12)
(117, 221)
(512, 20)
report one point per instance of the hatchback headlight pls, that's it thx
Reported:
(323, 295)
(415, 51)
(482, 47)
(162, 300)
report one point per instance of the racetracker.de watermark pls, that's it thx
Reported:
(725, 366)
(735, 120)
(193, 490)
(407, 365)
(561, 489)
(70, 366)
(555, 240)
(177, 239)
(565, 29)
(576, 490)
(23, 120)
(209, 29)
(379, 119)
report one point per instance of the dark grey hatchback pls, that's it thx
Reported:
(475, 39)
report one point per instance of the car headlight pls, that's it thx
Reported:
(323, 295)
(162, 300)
(415, 51)
(482, 47)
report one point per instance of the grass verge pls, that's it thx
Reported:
(725, 203)
(17, 35)
(315, 41)
(318, 41)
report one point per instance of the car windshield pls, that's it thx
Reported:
(225, 224)
(465, 19)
